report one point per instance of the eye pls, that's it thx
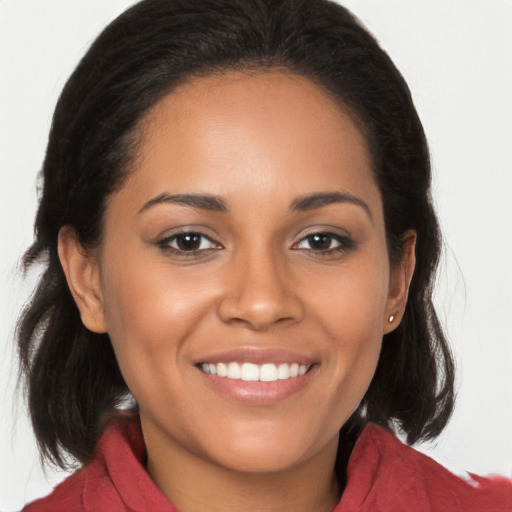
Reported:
(325, 243)
(188, 242)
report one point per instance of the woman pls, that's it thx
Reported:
(237, 219)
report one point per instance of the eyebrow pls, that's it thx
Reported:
(217, 204)
(320, 199)
(202, 201)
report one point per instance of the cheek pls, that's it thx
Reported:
(150, 313)
(351, 309)
(351, 300)
(149, 297)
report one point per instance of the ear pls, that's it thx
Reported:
(400, 280)
(82, 274)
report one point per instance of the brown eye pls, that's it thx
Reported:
(189, 242)
(325, 242)
(320, 242)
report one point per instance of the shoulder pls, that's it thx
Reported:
(109, 481)
(69, 495)
(66, 496)
(387, 475)
(74, 493)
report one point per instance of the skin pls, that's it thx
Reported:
(259, 141)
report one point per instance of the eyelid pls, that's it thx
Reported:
(183, 229)
(326, 229)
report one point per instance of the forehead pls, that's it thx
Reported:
(266, 131)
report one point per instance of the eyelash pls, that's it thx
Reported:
(345, 244)
(165, 244)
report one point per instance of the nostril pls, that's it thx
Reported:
(257, 317)
(259, 296)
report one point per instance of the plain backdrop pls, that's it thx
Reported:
(457, 58)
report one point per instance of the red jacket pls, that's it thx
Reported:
(384, 475)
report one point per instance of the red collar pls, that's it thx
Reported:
(384, 475)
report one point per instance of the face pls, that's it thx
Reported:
(248, 241)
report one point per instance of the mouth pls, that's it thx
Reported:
(257, 377)
(251, 372)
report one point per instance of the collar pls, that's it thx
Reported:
(384, 475)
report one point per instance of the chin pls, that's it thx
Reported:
(270, 450)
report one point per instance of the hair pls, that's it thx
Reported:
(71, 375)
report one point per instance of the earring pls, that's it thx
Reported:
(391, 318)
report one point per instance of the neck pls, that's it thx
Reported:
(193, 484)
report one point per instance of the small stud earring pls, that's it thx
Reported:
(391, 318)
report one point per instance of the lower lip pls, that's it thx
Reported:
(258, 393)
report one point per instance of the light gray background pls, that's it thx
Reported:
(457, 58)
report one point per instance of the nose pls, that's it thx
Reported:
(261, 293)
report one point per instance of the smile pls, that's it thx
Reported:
(250, 372)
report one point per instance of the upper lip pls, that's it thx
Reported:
(257, 356)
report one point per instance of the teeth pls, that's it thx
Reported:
(222, 370)
(283, 371)
(234, 371)
(250, 372)
(268, 372)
